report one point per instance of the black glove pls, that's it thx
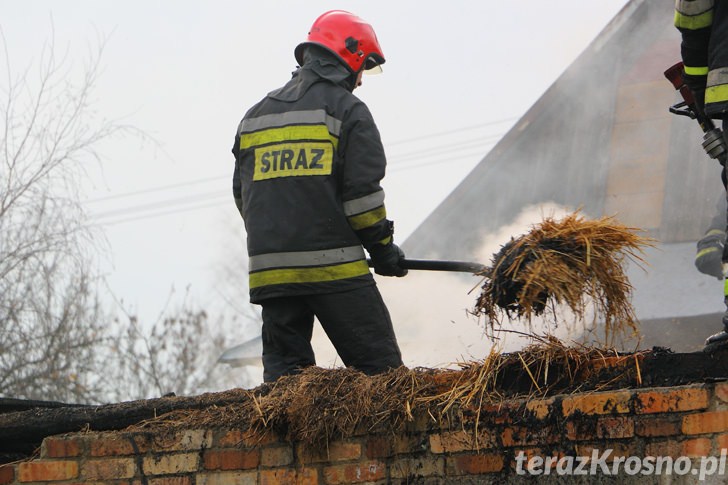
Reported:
(386, 260)
(710, 253)
(697, 83)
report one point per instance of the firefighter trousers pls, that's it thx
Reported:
(356, 322)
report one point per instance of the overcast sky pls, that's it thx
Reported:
(457, 77)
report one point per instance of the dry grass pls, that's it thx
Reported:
(319, 405)
(572, 261)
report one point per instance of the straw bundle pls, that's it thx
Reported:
(573, 261)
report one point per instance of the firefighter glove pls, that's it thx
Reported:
(387, 259)
(697, 83)
(710, 252)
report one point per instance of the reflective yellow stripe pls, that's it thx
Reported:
(725, 287)
(309, 275)
(696, 71)
(293, 160)
(716, 94)
(693, 22)
(287, 133)
(368, 218)
(386, 240)
(705, 251)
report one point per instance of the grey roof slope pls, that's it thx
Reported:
(601, 139)
(609, 107)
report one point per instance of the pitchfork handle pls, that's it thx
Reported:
(434, 265)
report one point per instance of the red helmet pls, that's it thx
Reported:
(346, 35)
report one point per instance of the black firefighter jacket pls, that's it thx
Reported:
(308, 165)
(704, 28)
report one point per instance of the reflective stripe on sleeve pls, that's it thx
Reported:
(308, 275)
(705, 251)
(696, 71)
(693, 7)
(367, 219)
(287, 134)
(716, 90)
(305, 258)
(277, 120)
(364, 204)
(693, 23)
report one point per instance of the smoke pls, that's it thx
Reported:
(430, 310)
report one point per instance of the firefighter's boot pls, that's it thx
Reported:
(720, 339)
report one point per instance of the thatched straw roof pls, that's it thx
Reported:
(319, 405)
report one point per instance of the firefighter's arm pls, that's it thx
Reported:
(694, 20)
(362, 194)
(237, 185)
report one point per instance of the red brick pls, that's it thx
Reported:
(245, 438)
(540, 408)
(404, 444)
(708, 422)
(276, 456)
(657, 426)
(60, 447)
(226, 478)
(118, 445)
(523, 436)
(298, 476)
(615, 427)
(7, 474)
(410, 468)
(170, 464)
(379, 447)
(469, 464)
(355, 473)
(186, 440)
(455, 441)
(721, 441)
(109, 468)
(231, 459)
(336, 451)
(697, 447)
(170, 481)
(44, 471)
(672, 400)
(581, 429)
(721, 392)
(504, 411)
(385, 446)
(670, 448)
(597, 403)
(618, 450)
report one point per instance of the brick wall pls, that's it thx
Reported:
(688, 421)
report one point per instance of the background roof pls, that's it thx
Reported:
(602, 139)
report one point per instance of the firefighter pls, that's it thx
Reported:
(703, 25)
(308, 166)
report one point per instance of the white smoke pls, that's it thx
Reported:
(429, 309)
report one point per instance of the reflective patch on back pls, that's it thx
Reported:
(293, 160)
